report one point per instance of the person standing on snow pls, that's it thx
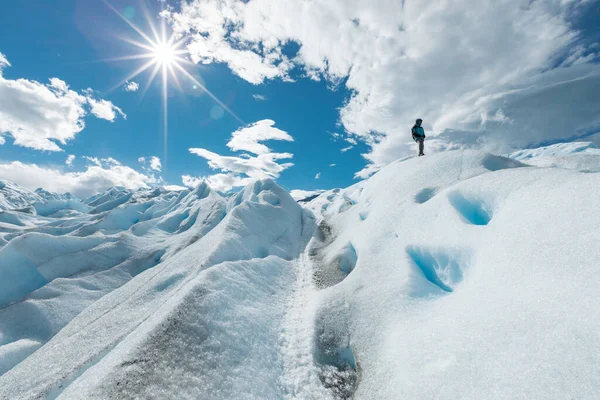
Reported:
(418, 135)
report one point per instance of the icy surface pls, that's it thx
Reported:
(459, 275)
(580, 156)
(13, 196)
(300, 195)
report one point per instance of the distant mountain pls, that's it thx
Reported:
(13, 196)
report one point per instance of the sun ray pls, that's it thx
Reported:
(150, 48)
(123, 58)
(132, 75)
(113, 59)
(175, 78)
(150, 23)
(165, 118)
(135, 28)
(152, 77)
(209, 93)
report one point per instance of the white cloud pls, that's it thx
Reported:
(345, 149)
(93, 160)
(220, 182)
(470, 70)
(94, 179)
(261, 166)
(318, 175)
(41, 116)
(105, 109)
(3, 61)
(131, 87)
(155, 164)
(259, 97)
(175, 188)
(332, 165)
(248, 138)
(335, 136)
(236, 171)
(70, 159)
(151, 163)
(191, 181)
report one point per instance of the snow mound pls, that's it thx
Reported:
(458, 275)
(475, 277)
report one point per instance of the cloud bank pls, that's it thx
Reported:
(99, 175)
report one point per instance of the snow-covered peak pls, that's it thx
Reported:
(13, 196)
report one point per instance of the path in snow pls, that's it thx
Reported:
(301, 374)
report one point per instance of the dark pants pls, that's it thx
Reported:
(421, 146)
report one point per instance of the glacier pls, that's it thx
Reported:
(457, 275)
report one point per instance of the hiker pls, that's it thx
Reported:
(418, 135)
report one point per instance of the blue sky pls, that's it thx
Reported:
(332, 77)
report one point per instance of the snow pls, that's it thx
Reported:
(300, 195)
(458, 275)
(559, 149)
(13, 196)
(580, 156)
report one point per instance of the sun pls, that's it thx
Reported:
(163, 53)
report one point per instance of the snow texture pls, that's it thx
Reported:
(460, 275)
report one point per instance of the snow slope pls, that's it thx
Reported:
(13, 196)
(580, 156)
(460, 275)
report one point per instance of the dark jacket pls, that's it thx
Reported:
(417, 132)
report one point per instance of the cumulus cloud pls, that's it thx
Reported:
(151, 163)
(70, 159)
(236, 171)
(475, 72)
(220, 182)
(42, 116)
(102, 174)
(131, 87)
(318, 175)
(249, 138)
(155, 164)
(261, 166)
(104, 109)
